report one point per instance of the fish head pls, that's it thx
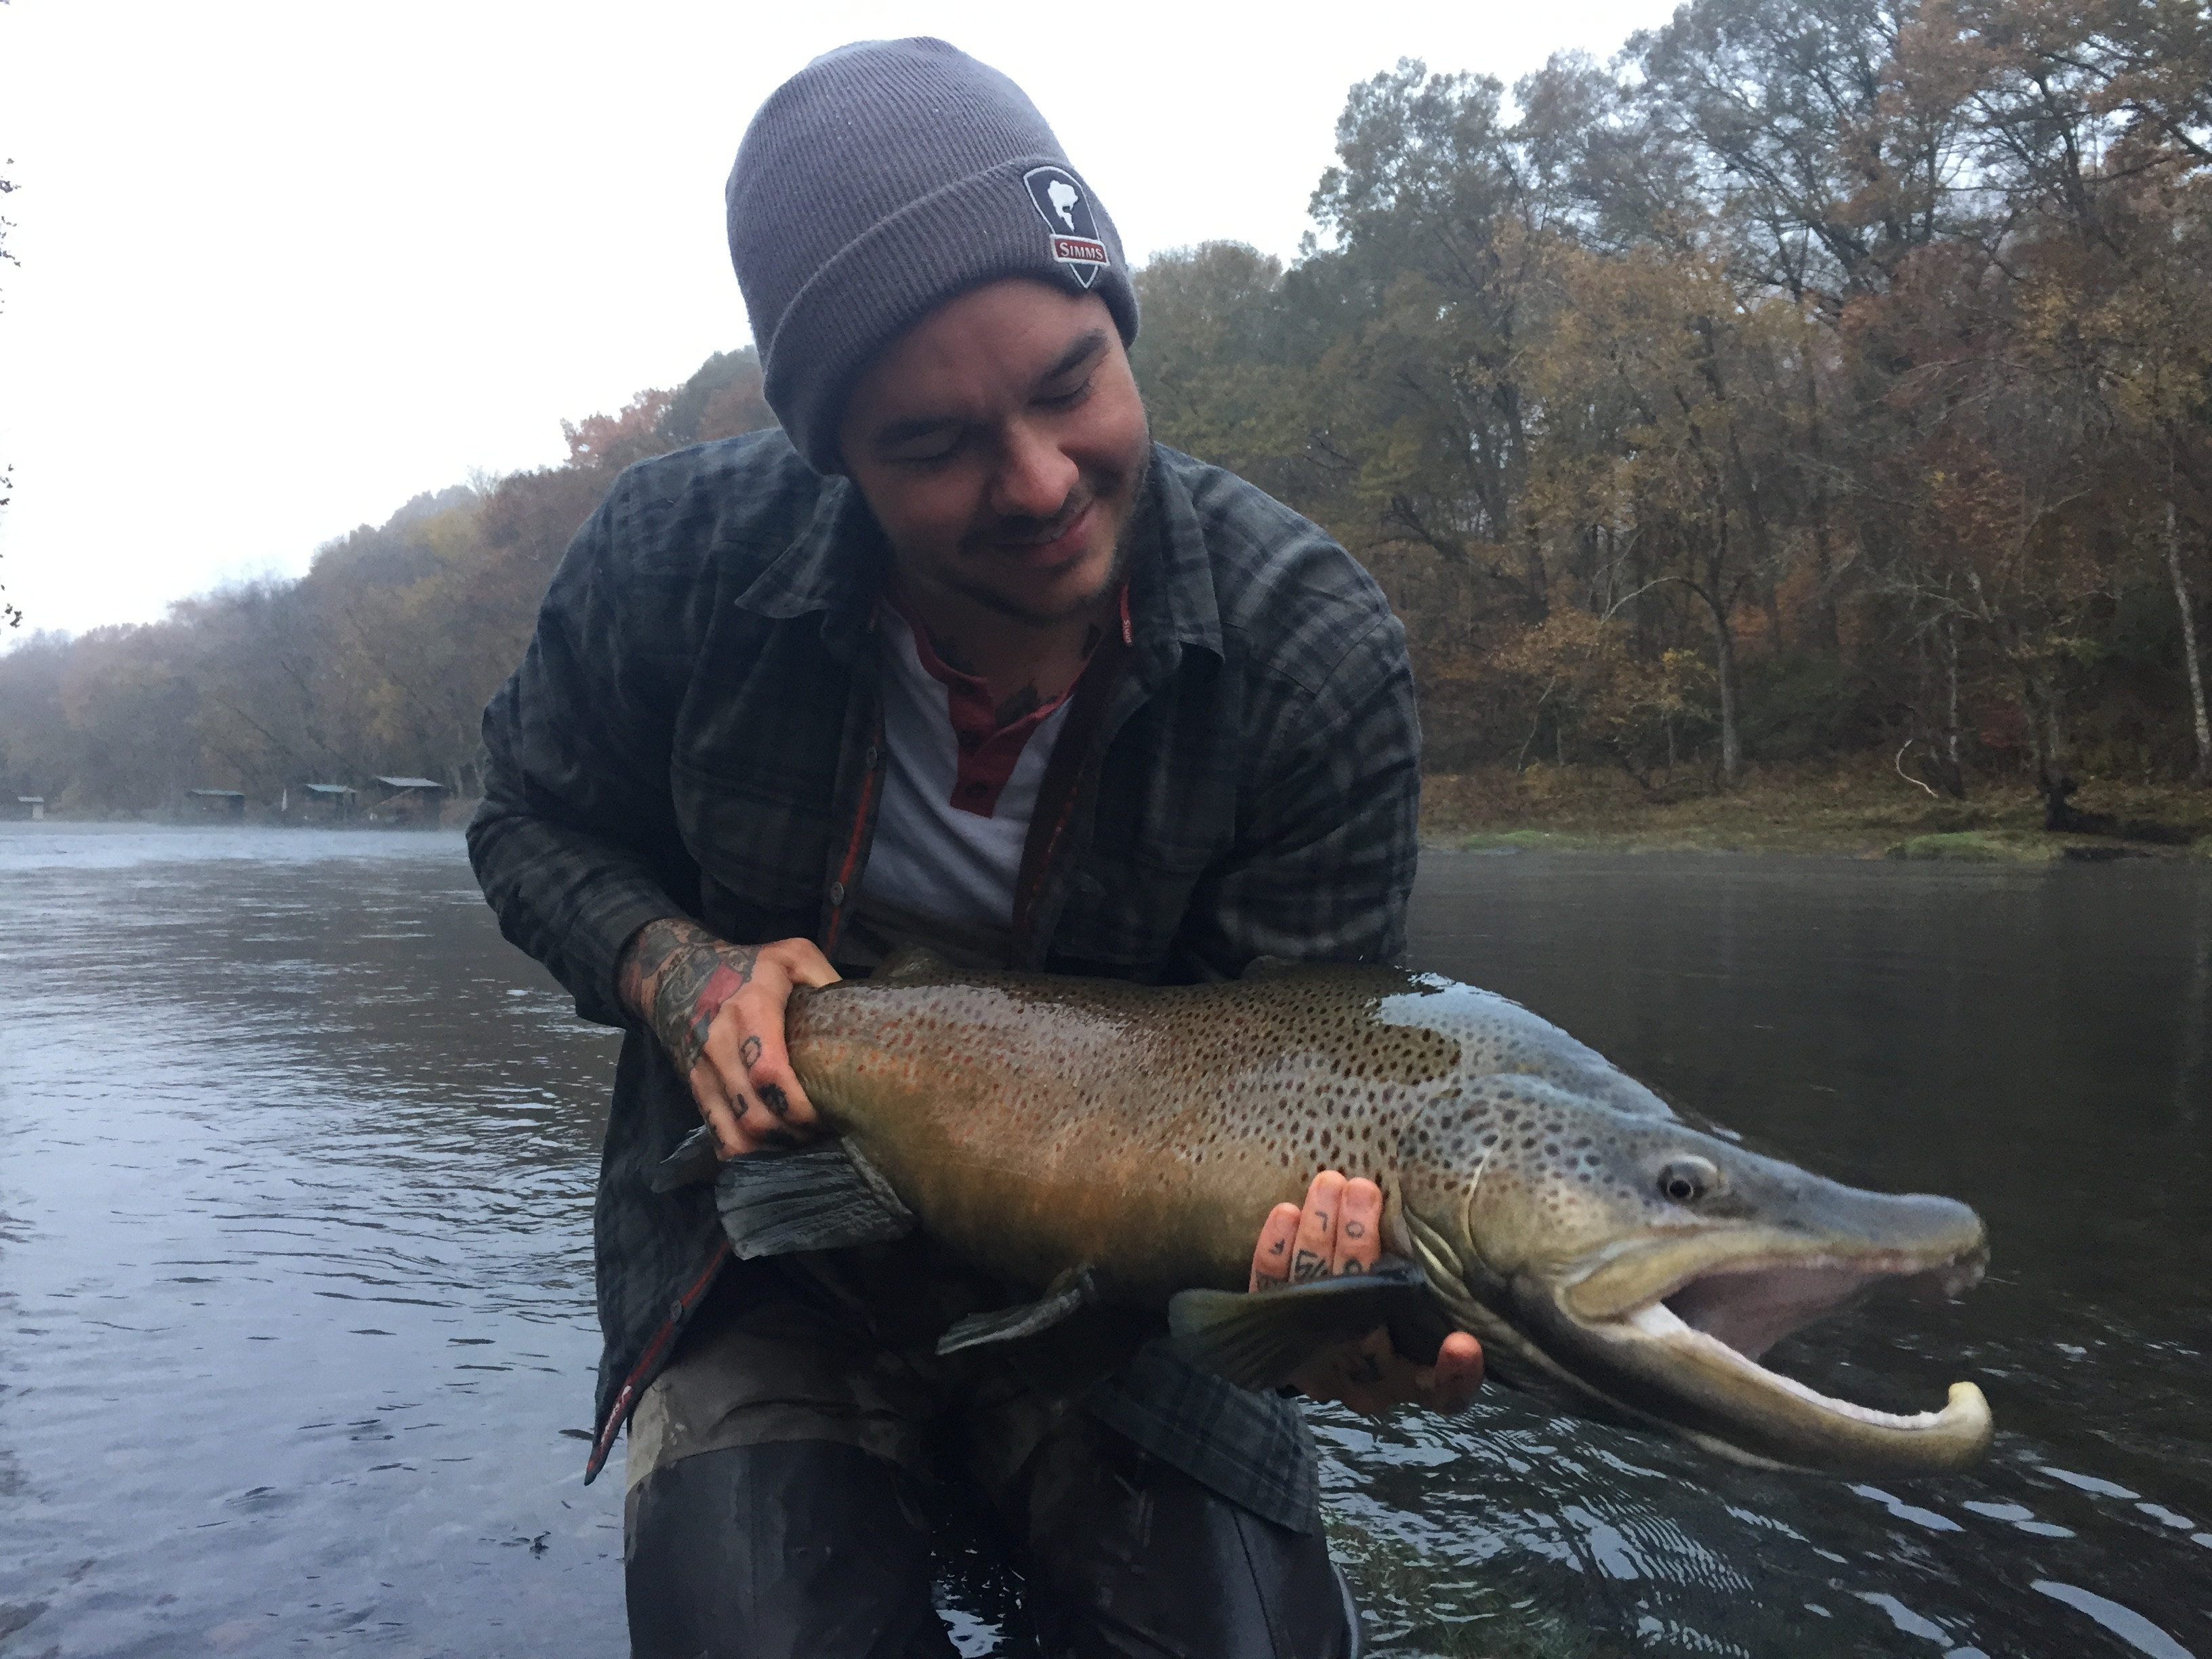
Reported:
(1651, 1265)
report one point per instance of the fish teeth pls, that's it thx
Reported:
(1658, 1320)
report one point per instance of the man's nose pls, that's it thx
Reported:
(1035, 477)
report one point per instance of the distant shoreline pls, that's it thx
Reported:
(453, 817)
(1851, 812)
(1855, 812)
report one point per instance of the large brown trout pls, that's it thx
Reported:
(1110, 1142)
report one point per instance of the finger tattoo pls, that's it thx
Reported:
(773, 1098)
(1355, 1230)
(748, 1053)
(1308, 1265)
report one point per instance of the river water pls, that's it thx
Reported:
(295, 1328)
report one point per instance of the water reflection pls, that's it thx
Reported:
(2030, 1041)
(295, 1162)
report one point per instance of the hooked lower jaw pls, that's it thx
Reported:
(1836, 1429)
(1701, 1373)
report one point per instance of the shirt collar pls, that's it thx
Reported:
(833, 566)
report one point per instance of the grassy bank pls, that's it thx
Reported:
(1861, 810)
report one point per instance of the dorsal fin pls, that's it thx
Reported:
(912, 962)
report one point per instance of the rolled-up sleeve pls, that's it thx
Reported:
(577, 843)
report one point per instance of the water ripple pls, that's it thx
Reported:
(295, 1267)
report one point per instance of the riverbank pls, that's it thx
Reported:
(282, 814)
(1859, 809)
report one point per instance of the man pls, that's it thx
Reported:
(959, 656)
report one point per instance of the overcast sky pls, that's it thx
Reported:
(284, 265)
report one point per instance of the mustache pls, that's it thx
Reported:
(1028, 530)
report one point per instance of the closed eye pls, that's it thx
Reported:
(1070, 399)
(1067, 382)
(922, 445)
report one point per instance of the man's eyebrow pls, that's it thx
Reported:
(1088, 344)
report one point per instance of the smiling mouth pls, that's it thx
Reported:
(1058, 543)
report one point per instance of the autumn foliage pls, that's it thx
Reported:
(1824, 377)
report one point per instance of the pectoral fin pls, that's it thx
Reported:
(1069, 1292)
(824, 1197)
(1259, 1340)
(693, 1161)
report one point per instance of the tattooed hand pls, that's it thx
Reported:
(1339, 1231)
(718, 1009)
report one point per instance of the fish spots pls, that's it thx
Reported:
(1085, 1087)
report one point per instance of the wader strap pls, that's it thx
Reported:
(1063, 778)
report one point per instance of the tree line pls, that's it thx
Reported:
(378, 661)
(1821, 377)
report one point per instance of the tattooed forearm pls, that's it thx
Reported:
(655, 945)
(677, 976)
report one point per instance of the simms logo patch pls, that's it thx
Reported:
(1073, 232)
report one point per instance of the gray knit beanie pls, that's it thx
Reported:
(881, 180)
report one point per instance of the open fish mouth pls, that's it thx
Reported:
(1748, 1307)
(1691, 1353)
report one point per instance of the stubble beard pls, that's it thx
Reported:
(989, 598)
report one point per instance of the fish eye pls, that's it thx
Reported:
(1687, 1179)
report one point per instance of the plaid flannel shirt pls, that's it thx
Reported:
(696, 730)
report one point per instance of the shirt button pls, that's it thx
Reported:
(868, 760)
(836, 892)
(676, 1309)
